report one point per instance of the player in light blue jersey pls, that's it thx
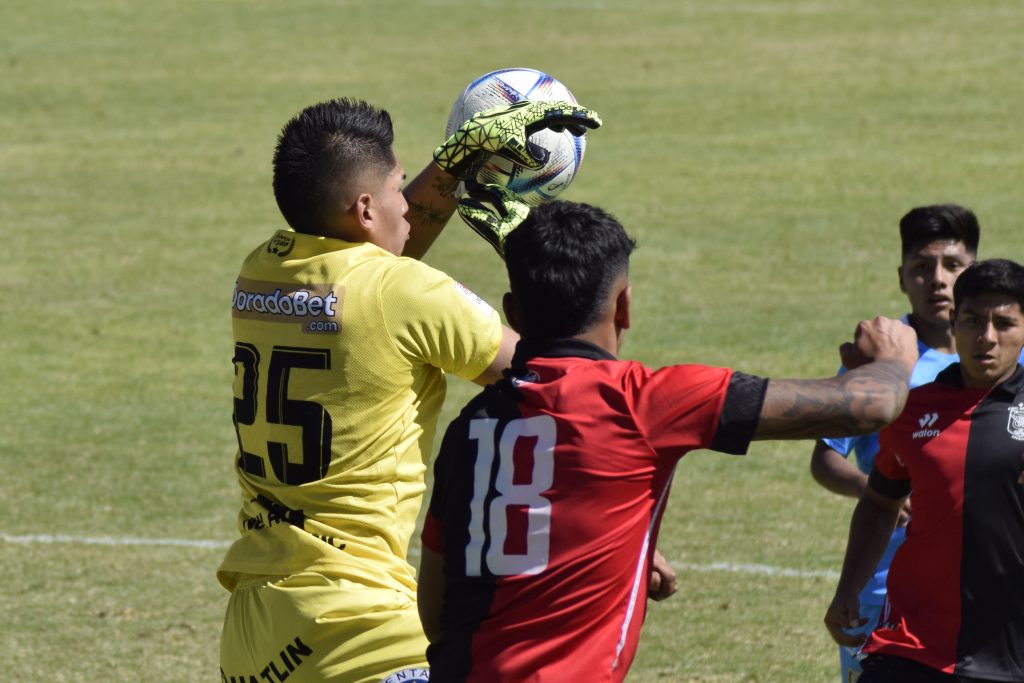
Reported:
(938, 243)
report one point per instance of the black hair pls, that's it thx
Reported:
(999, 276)
(562, 261)
(941, 221)
(321, 156)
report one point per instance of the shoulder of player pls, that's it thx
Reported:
(497, 401)
(409, 275)
(922, 402)
(693, 379)
(922, 396)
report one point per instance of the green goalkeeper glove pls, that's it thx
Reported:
(494, 222)
(506, 132)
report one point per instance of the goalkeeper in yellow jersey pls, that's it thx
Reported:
(342, 340)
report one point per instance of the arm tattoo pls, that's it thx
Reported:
(446, 187)
(858, 402)
(420, 214)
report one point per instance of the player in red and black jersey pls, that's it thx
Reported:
(550, 485)
(955, 606)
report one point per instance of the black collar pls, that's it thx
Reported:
(565, 347)
(1012, 386)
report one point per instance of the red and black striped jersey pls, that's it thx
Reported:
(548, 491)
(956, 586)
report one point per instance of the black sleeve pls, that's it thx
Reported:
(738, 421)
(897, 489)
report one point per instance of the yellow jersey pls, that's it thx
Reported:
(340, 355)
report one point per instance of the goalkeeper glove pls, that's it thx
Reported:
(494, 222)
(506, 132)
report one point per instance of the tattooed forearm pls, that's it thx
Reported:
(423, 215)
(446, 185)
(858, 402)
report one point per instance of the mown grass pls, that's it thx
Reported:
(761, 152)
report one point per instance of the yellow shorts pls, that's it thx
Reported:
(309, 628)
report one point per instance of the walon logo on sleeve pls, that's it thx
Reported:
(317, 308)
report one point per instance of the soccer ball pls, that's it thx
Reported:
(508, 86)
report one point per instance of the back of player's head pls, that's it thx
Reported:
(325, 156)
(562, 262)
(992, 276)
(926, 224)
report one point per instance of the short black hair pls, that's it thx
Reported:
(937, 222)
(322, 153)
(992, 276)
(562, 261)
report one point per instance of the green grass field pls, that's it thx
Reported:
(761, 151)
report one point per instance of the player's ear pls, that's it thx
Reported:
(513, 313)
(899, 276)
(622, 304)
(357, 221)
(363, 211)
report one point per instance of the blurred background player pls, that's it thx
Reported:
(955, 607)
(341, 346)
(938, 243)
(550, 485)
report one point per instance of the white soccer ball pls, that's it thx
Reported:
(508, 86)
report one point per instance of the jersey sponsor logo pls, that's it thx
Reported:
(472, 298)
(926, 421)
(317, 308)
(1015, 424)
(409, 676)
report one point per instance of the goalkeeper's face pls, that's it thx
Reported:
(387, 209)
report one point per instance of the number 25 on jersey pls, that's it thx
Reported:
(314, 423)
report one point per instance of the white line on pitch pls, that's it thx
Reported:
(728, 567)
(764, 569)
(112, 540)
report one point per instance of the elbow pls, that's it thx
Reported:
(818, 473)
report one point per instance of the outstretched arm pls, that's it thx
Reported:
(861, 401)
(872, 524)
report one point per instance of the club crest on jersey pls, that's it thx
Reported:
(281, 244)
(409, 676)
(1015, 424)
